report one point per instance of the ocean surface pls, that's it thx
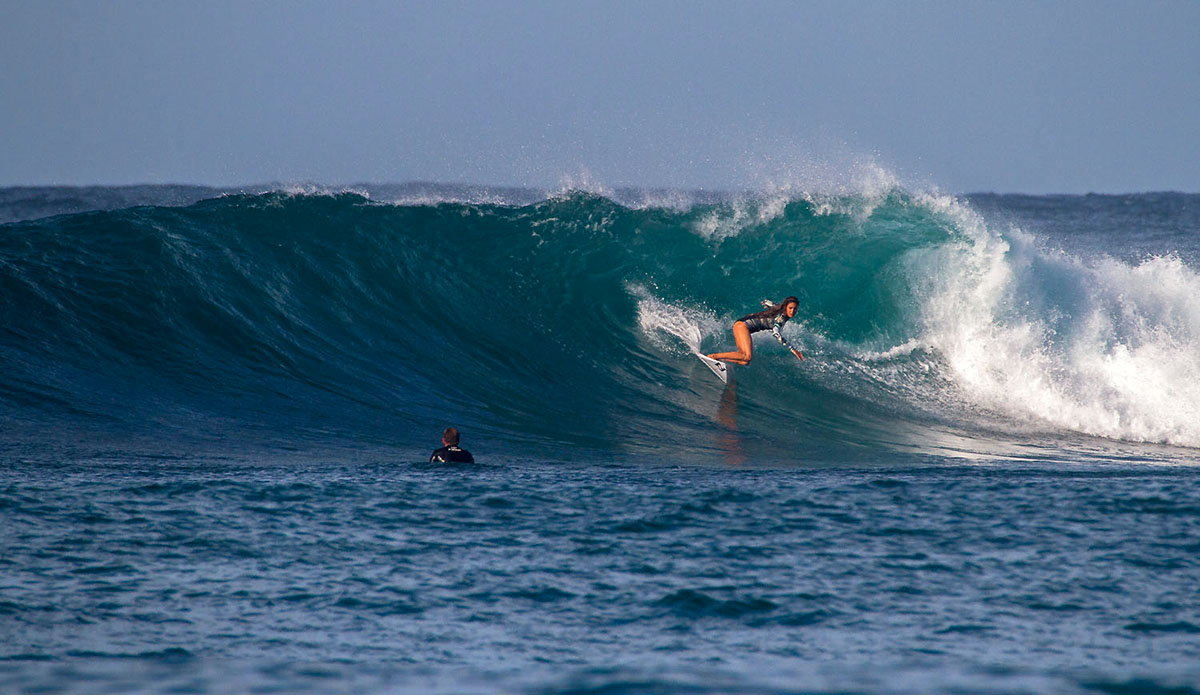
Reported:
(218, 407)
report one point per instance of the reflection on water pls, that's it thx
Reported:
(729, 437)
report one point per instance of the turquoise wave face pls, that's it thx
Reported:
(569, 322)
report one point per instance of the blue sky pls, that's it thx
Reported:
(1039, 97)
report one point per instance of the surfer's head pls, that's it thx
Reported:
(450, 437)
(789, 306)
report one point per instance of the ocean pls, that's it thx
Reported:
(219, 404)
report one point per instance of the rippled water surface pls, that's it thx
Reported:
(342, 575)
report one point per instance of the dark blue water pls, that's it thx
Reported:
(342, 575)
(217, 413)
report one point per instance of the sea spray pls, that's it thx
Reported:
(1102, 347)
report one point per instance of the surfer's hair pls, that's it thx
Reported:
(450, 436)
(773, 311)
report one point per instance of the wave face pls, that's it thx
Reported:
(565, 325)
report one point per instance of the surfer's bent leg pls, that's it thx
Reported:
(745, 348)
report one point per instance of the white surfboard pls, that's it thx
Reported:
(717, 366)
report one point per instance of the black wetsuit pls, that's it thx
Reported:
(451, 454)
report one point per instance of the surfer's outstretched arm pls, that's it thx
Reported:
(745, 347)
(779, 336)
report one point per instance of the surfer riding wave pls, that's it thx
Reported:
(770, 319)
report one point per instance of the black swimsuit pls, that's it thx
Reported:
(763, 323)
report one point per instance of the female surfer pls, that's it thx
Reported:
(770, 319)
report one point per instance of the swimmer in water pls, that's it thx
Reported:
(770, 319)
(451, 452)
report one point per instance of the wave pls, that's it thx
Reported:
(566, 322)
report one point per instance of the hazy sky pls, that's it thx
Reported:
(1035, 97)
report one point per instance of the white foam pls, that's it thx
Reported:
(903, 350)
(316, 190)
(740, 214)
(1102, 348)
(857, 196)
(435, 199)
(657, 319)
(854, 191)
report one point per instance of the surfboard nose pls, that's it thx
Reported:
(717, 367)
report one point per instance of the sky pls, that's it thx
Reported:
(963, 96)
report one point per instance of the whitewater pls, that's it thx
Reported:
(219, 404)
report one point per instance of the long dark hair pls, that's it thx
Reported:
(774, 311)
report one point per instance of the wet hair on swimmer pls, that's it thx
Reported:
(772, 312)
(450, 436)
